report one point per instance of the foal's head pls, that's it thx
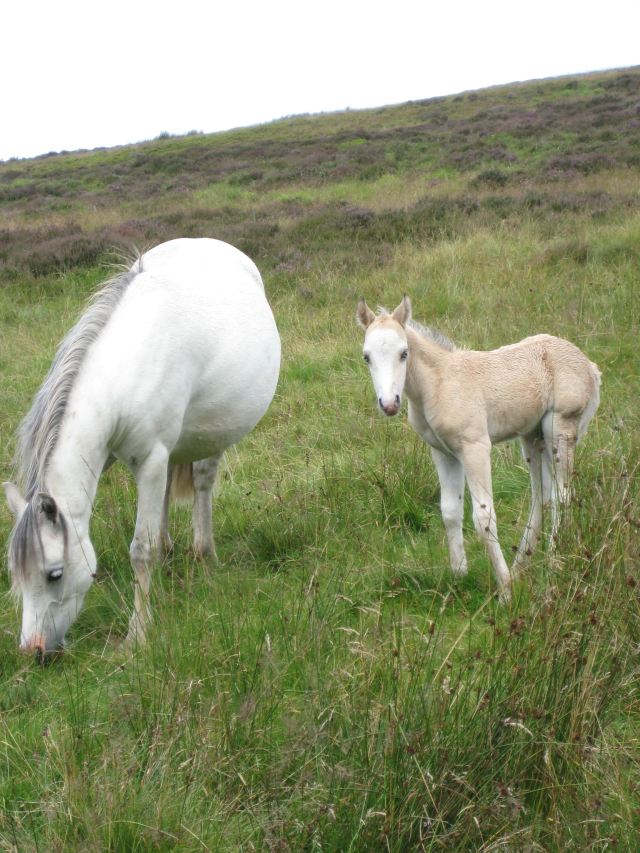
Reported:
(386, 352)
(51, 568)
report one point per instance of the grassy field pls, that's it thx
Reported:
(328, 686)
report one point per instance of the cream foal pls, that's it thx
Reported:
(543, 390)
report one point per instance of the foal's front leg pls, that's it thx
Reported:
(151, 479)
(476, 459)
(451, 476)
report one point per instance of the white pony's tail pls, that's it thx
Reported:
(182, 482)
(594, 400)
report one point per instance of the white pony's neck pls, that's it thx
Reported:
(75, 466)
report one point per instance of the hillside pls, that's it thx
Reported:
(420, 170)
(328, 685)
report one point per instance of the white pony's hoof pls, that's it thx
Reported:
(166, 544)
(206, 553)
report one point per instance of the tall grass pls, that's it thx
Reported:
(328, 685)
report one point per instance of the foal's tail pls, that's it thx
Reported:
(593, 402)
(182, 482)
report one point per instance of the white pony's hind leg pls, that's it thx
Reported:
(533, 453)
(204, 477)
(451, 476)
(151, 479)
(165, 539)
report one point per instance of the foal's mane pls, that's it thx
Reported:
(426, 332)
(38, 432)
(433, 335)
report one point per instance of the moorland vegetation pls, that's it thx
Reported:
(328, 685)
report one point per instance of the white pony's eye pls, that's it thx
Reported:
(54, 574)
(404, 355)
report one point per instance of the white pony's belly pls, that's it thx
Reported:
(228, 404)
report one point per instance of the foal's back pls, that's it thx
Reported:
(559, 371)
(518, 384)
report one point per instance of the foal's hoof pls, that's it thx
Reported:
(516, 570)
(504, 596)
(460, 571)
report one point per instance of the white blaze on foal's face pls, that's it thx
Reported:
(386, 352)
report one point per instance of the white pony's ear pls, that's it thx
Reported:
(364, 314)
(47, 506)
(402, 314)
(15, 500)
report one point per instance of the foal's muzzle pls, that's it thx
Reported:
(390, 408)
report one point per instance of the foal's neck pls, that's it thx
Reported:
(427, 360)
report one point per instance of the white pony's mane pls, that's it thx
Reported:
(38, 432)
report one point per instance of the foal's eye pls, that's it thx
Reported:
(404, 355)
(54, 574)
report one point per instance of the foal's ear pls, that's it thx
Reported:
(15, 500)
(364, 314)
(46, 505)
(402, 314)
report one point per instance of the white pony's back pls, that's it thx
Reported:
(192, 350)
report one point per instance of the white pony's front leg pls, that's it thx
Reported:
(451, 476)
(204, 477)
(151, 479)
(476, 459)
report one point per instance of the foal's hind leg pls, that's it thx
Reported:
(560, 438)
(476, 459)
(204, 477)
(451, 476)
(533, 452)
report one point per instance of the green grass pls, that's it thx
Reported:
(329, 686)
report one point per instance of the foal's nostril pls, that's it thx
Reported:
(397, 399)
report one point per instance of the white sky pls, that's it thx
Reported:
(80, 74)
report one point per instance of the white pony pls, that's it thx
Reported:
(543, 390)
(173, 361)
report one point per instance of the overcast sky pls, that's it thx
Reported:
(83, 74)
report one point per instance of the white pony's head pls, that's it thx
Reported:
(386, 352)
(51, 570)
